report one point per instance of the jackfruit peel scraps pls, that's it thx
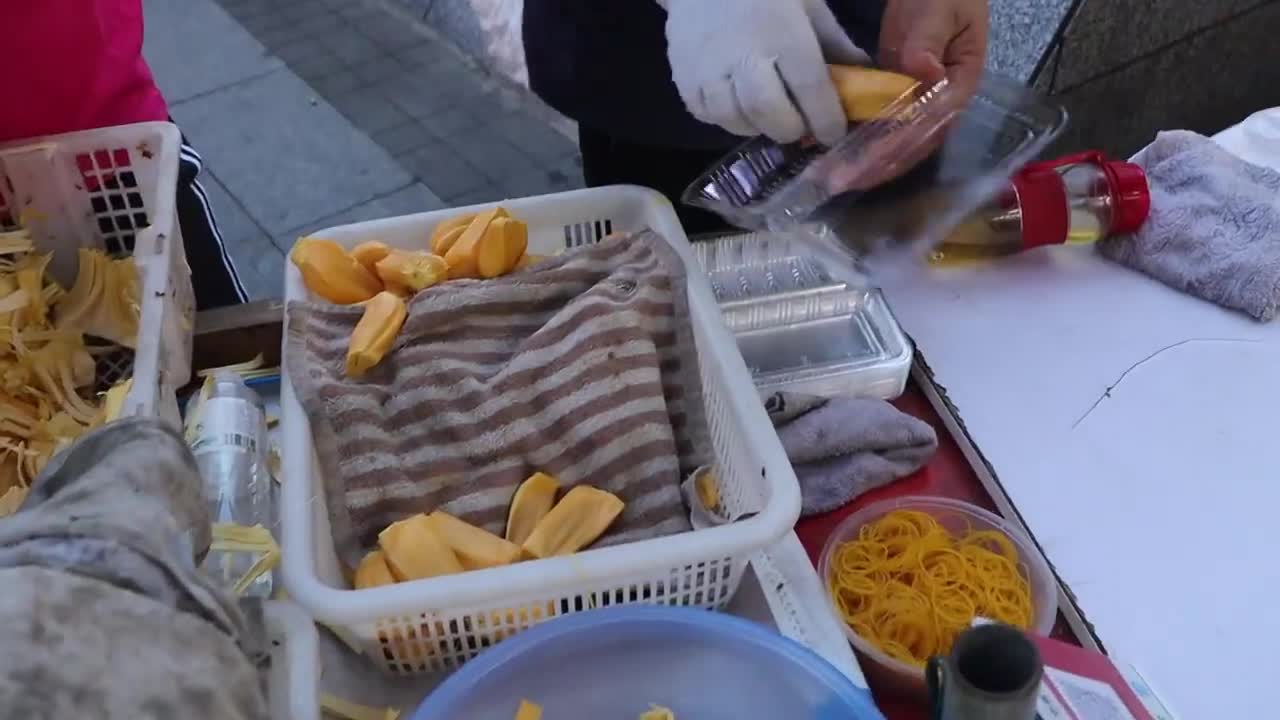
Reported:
(47, 372)
(353, 711)
(256, 539)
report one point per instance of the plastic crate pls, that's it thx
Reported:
(293, 682)
(113, 189)
(439, 623)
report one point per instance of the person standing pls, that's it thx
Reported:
(75, 65)
(661, 89)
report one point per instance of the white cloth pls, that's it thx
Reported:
(1256, 139)
(758, 67)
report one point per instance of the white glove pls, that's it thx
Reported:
(758, 67)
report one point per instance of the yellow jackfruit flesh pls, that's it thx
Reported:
(574, 523)
(531, 503)
(48, 377)
(528, 711)
(707, 488)
(413, 550)
(373, 571)
(474, 547)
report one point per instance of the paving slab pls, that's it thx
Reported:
(414, 198)
(448, 122)
(289, 158)
(196, 47)
(259, 263)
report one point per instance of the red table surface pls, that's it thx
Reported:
(948, 474)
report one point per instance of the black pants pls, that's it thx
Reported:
(610, 161)
(213, 274)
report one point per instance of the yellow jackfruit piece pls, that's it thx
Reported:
(865, 92)
(475, 547)
(328, 271)
(462, 255)
(708, 489)
(444, 235)
(503, 245)
(373, 571)
(369, 253)
(532, 501)
(574, 523)
(528, 711)
(411, 271)
(335, 705)
(413, 550)
(375, 333)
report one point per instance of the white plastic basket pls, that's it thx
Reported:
(293, 682)
(113, 189)
(439, 623)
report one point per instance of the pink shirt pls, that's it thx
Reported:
(73, 65)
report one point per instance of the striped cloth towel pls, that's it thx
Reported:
(583, 366)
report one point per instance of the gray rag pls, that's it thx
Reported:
(104, 613)
(843, 447)
(1214, 228)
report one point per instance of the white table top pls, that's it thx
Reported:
(1133, 428)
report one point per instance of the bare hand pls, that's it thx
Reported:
(935, 39)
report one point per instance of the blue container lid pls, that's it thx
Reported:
(617, 662)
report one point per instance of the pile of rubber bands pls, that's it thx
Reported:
(909, 586)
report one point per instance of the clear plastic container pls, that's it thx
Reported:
(798, 327)
(894, 185)
(618, 662)
(957, 517)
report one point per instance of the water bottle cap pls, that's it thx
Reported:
(1130, 196)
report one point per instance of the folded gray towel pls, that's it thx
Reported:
(1214, 228)
(843, 447)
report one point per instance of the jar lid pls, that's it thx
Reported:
(1130, 196)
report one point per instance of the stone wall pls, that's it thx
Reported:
(1126, 69)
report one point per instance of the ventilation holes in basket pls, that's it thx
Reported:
(589, 232)
(110, 181)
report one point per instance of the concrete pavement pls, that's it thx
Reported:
(313, 113)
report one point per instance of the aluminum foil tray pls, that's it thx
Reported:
(798, 328)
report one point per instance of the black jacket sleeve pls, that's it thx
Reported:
(604, 64)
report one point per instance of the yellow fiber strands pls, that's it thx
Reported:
(909, 586)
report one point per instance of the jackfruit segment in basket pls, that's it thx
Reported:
(437, 543)
(48, 375)
(482, 245)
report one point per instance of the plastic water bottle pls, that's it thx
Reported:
(230, 446)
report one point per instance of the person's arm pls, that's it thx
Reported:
(759, 67)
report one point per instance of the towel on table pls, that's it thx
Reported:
(582, 366)
(1214, 228)
(845, 446)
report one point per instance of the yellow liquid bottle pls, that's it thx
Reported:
(1075, 200)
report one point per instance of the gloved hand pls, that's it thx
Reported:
(759, 67)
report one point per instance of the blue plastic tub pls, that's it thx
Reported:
(612, 664)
